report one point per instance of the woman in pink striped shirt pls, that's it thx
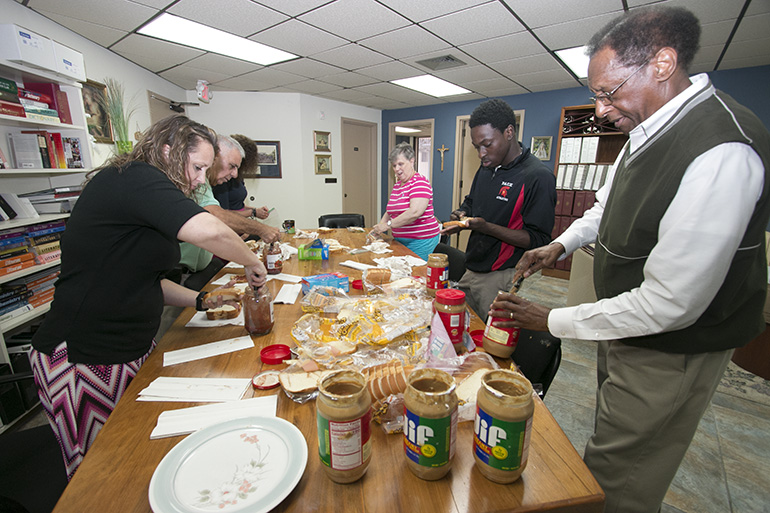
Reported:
(409, 214)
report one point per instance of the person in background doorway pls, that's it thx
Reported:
(121, 238)
(680, 268)
(409, 214)
(510, 207)
(232, 193)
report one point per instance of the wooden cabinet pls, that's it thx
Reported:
(17, 181)
(586, 148)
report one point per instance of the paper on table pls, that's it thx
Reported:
(356, 265)
(199, 320)
(187, 420)
(292, 278)
(196, 390)
(288, 294)
(206, 350)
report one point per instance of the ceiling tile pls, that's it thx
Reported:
(745, 62)
(531, 64)
(392, 70)
(385, 104)
(494, 84)
(157, 4)
(345, 95)
(708, 12)
(355, 19)
(753, 27)
(475, 24)
(188, 77)
(463, 74)
(553, 86)
(261, 80)
(239, 17)
(550, 12)
(405, 42)
(307, 68)
(511, 90)
(351, 56)
(706, 58)
(313, 87)
(752, 48)
(299, 38)
(716, 33)
(348, 79)
(394, 92)
(529, 80)
(758, 7)
(427, 9)
(97, 33)
(154, 54)
(119, 14)
(223, 64)
(503, 48)
(572, 33)
(293, 7)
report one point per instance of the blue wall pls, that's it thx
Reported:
(748, 86)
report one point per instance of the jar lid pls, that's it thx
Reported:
(275, 354)
(478, 337)
(450, 296)
(265, 380)
(358, 284)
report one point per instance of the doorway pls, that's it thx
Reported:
(467, 162)
(359, 169)
(419, 134)
(160, 107)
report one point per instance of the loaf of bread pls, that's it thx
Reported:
(462, 223)
(223, 312)
(386, 379)
(377, 276)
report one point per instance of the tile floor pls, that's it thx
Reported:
(727, 467)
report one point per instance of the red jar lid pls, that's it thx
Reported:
(450, 296)
(265, 380)
(275, 354)
(478, 337)
(358, 284)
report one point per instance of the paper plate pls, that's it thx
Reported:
(241, 465)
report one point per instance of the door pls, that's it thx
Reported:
(469, 164)
(160, 107)
(359, 169)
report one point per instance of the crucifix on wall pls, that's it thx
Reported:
(442, 150)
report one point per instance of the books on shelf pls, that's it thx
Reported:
(52, 94)
(41, 149)
(22, 206)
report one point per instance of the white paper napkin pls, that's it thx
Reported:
(199, 320)
(357, 265)
(187, 420)
(206, 350)
(379, 247)
(291, 278)
(288, 294)
(195, 390)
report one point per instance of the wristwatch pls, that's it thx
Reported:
(253, 212)
(199, 301)
(390, 222)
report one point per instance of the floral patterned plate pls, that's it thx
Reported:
(249, 464)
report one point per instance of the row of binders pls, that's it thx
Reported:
(581, 176)
(579, 150)
(40, 149)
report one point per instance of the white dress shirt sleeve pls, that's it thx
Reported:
(697, 239)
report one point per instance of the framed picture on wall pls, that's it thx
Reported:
(268, 161)
(519, 124)
(97, 119)
(322, 141)
(541, 146)
(323, 164)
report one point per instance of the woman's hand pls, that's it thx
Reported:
(256, 275)
(522, 313)
(261, 212)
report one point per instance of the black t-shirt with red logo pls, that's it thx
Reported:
(519, 196)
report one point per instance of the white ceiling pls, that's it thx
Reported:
(350, 49)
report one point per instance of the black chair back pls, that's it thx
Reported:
(538, 355)
(341, 220)
(456, 260)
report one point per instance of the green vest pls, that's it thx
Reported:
(644, 186)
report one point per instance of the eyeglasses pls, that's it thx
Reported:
(606, 98)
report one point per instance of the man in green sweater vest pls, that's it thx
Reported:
(680, 267)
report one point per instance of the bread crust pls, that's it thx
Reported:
(228, 294)
(223, 312)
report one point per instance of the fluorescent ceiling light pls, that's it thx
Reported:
(576, 59)
(431, 85)
(190, 33)
(407, 130)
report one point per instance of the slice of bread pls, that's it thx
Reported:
(469, 387)
(223, 312)
(301, 382)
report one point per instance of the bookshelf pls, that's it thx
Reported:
(17, 181)
(586, 148)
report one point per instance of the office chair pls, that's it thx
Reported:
(538, 355)
(341, 220)
(456, 260)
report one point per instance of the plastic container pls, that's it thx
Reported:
(503, 425)
(438, 272)
(258, 311)
(275, 354)
(272, 258)
(343, 413)
(430, 423)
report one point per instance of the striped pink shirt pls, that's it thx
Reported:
(425, 226)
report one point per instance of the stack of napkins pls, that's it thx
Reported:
(187, 420)
(195, 390)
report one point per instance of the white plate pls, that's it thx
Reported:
(249, 464)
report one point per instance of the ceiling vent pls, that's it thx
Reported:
(441, 63)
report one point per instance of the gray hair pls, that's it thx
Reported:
(227, 142)
(404, 149)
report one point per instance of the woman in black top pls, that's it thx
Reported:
(121, 239)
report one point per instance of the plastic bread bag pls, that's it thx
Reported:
(324, 300)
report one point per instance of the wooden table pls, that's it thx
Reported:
(116, 472)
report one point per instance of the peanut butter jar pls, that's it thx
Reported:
(503, 425)
(430, 423)
(343, 414)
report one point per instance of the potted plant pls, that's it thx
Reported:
(120, 115)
